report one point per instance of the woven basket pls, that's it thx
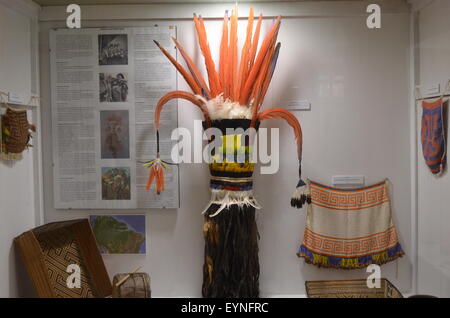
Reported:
(356, 288)
(136, 286)
(17, 123)
(15, 134)
(48, 250)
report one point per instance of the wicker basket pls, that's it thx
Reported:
(15, 133)
(356, 288)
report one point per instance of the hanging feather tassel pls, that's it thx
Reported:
(290, 119)
(156, 174)
(156, 167)
(301, 195)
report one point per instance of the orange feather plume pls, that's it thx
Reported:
(245, 55)
(183, 95)
(290, 119)
(265, 46)
(214, 83)
(223, 62)
(192, 68)
(268, 76)
(188, 78)
(258, 86)
(254, 46)
(233, 55)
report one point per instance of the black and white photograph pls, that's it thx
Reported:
(113, 49)
(113, 87)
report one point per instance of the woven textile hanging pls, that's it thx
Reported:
(433, 135)
(230, 97)
(349, 228)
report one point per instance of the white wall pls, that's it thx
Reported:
(19, 202)
(433, 192)
(357, 80)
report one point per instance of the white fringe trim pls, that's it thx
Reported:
(225, 198)
(219, 108)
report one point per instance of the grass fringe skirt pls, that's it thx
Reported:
(231, 268)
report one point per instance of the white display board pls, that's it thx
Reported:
(105, 84)
(15, 56)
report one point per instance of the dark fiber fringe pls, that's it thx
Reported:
(231, 268)
(364, 261)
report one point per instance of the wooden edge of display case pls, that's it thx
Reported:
(92, 257)
(33, 260)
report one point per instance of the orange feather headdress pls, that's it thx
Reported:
(242, 85)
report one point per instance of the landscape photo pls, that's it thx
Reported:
(119, 234)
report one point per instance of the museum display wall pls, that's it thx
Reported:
(19, 182)
(362, 121)
(357, 82)
(433, 214)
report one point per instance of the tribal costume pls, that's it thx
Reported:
(232, 98)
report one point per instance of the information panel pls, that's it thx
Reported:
(105, 84)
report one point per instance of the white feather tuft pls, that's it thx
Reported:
(225, 198)
(220, 108)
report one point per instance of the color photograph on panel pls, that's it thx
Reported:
(116, 183)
